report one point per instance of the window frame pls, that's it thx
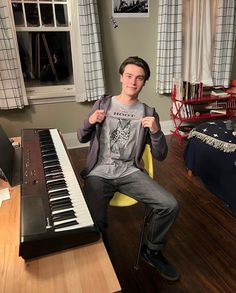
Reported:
(60, 93)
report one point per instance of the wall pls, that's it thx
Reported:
(133, 36)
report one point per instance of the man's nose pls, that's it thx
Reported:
(133, 80)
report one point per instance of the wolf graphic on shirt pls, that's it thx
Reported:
(120, 136)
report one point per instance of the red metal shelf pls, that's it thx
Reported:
(180, 110)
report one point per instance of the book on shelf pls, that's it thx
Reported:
(219, 92)
(218, 111)
(206, 91)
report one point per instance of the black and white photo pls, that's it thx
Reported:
(130, 8)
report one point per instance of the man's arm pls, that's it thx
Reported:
(158, 143)
(86, 131)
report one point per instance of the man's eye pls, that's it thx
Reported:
(140, 78)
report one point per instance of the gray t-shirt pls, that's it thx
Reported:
(118, 140)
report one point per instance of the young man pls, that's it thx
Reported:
(118, 128)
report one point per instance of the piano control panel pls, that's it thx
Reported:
(33, 173)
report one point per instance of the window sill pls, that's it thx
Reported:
(60, 94)
(50, 100)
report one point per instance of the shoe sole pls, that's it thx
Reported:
(163, 275)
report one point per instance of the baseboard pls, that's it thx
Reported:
(72, 142)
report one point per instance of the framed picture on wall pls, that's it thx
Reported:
(130, 8)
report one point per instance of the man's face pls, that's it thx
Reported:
(132, 80)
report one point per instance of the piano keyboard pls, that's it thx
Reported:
(54, 213)
(68, 207)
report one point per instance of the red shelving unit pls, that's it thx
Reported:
(184, 111)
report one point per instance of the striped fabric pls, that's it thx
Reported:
(12, 90)
(91, 49)
(224, 42)
(169, 44)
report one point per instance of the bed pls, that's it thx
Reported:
(210, 154)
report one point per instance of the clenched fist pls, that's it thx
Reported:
(97, 117)
(150, 122)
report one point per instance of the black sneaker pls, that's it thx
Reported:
(157, 260)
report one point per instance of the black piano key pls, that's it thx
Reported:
(59, 193)
(46, 144)
(42, 132)
(51, 164)
(45, 139)
(67, 224)
(54, 176)
(52, 169)
(49, 156)
(60, 201)
(47, 150)
(58, 181)
(64, 216)
(47, 162)
(56, 190)
(62, 206)
(56, 185)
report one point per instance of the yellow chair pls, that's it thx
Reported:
(122, 200)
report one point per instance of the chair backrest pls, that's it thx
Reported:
(122, 200)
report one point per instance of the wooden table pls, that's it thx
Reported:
(82, 269)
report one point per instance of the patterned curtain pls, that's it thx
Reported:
(12, 89)
(91, 49)
(169, 44)
(224, 42)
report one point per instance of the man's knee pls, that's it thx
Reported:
(171, 206)
(175, 206)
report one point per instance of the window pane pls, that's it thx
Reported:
(32, 16)
(46, 14)
(61, 15)
(45, 58)
(18, 14)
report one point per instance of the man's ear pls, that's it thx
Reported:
(121, 78)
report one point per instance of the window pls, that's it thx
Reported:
(48, 38)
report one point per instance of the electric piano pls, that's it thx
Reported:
(54, 213)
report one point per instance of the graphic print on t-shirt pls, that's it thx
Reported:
(118, 139)
(120, 136)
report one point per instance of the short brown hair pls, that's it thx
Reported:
(135, 60)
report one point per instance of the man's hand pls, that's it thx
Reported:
(150, 122)
(97, 117)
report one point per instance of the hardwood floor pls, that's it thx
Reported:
(201, 244)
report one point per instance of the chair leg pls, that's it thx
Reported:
(145, 221)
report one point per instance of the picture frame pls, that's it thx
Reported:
(130, 8)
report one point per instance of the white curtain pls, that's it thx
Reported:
(91, 49)
(224, 42)
(198, 18)
(169, 44)
(12, 89)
